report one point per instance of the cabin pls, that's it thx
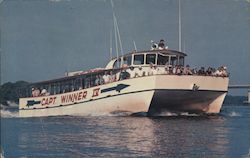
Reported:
(84, 80)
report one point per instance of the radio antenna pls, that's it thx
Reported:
(179, 25)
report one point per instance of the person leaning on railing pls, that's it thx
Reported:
(124, 75)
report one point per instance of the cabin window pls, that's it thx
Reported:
(52, 89)
(77, 84)
(87, 82)
(139, 59)
(127, 60)
(181, 61)
(150, 58)
(173, 60)
(162, 60)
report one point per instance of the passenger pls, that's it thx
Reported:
(202, 71)
(87, 83)
(187, 70)
(218, 72)
(161, 70)
(161, 44)
(112, 77)
(124, 75)
(106, 77)
(213, 72)
(131, 72)
(101, 79)
(43, 92)
(155, 70)
(139, 73)
(178, 70)
(224, 71)
(36, 92)
(97, 80)
(33, 92)
(167, 68)
(152, 70)
(209, 71)
(194, 71)
(174, 70)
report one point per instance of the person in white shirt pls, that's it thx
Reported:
(140, 72)
(112, 77)
(106, 77)
(131, 71)
(44, 92)
(152, 70)
(161, 70)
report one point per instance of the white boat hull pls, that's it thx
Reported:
(151, 94)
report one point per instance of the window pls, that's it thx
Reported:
(127, 60)
(139, 59)
(77, 83)
(162, 60)
(181, 61)
(150, 58)
(173, 60)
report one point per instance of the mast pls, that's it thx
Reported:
(135, 46)
(179, 25)
(117, 33)
(110, 48)
(1, 50)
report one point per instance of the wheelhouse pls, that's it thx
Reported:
(146, 58)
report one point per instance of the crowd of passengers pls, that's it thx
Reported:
(130, 72)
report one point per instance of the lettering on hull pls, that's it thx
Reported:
(74, 97)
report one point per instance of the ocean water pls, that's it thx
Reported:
(226, 135)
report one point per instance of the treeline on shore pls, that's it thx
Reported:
(9, 93)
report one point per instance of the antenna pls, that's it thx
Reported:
(135, 46)
(116, 44)
(179, 25)
(0, 56)
(110, 48)
(119, 36)
(117, 32)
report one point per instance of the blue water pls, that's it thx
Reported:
(224, 136)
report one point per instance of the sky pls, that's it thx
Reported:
(42, 39)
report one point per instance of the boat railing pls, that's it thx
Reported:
(113, 75)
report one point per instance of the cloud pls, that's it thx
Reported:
(1, 1)
(248, 1)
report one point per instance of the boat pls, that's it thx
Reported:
(151, 82)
